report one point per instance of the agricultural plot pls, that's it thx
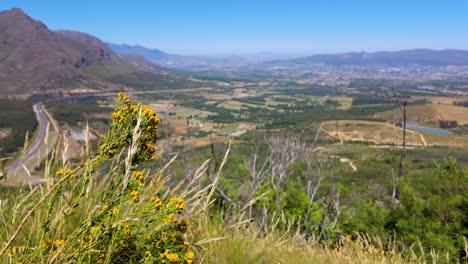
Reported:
(388, 134)
(343, 101)
(368, 131)
(417, 113)
(452, 112)
(428, 113)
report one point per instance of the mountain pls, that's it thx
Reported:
(154, 55)
(32, 56)
(404, 57)
(185, 62)
(37, 60)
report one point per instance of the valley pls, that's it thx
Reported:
(327, 152)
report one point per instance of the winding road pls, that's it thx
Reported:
(34, 149)
(19, 166)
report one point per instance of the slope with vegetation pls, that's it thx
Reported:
(284, 204)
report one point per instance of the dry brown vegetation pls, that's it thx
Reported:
(428, 113)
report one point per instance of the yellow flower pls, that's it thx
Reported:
(118, 116)
(95, 229)
(135, 195)
(103, 208)
(172, 257)
(123, 98)
(62, 172)
(148, 254)
(151, 150)
(190, 256)
(114, 211)
(138, 175)
(157, 203)
(59, 243)
(178, 203)
(46, 244)
(169, 219)
(125, 227)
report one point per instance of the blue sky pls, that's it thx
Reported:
(249, 26)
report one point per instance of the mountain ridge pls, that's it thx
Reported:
(418, 56)
(36, 60)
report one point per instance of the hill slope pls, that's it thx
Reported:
(32, 56)
(36, 60)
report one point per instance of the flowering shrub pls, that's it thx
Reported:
(122, 130)
(148, 235)
(122, 221)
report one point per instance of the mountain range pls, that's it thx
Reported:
(37, 60)
(182, 61)
(389, 58)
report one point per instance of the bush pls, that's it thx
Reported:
(87, 217)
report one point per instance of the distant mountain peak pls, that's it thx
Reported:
(16, 17)
(34, 56)
(15, 11)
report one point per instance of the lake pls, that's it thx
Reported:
(413, 126)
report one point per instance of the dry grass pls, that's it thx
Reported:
(452, 112)
(427, 113)
(245, 243)
(419, 113)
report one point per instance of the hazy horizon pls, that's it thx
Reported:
(295, 28)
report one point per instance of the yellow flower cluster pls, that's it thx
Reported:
(118, 116)
(121, 131)
(52, 246)
(171, 257)
(95, 229)
(151, 150)
(178, 203)
(169, 218)
(127, 109)
(146, 152)
(135, 195)
(123, 98)
(157, 203)
(190, 256)
(140, 178)
(63, 172)
(125, 227)
(103, 208)
(114, 211)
